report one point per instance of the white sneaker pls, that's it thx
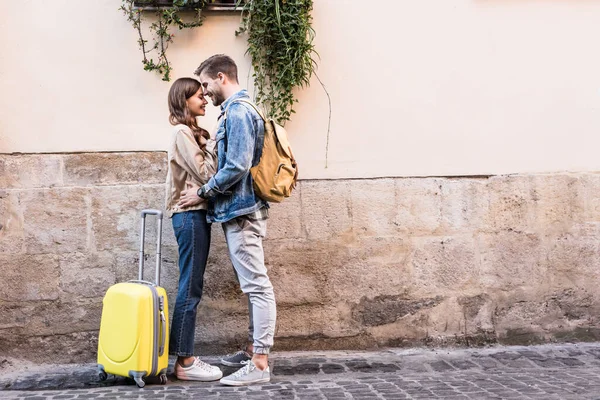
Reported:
(247, 375)
(198, 371)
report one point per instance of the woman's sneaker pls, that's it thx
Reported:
(238, 359)
(198, 371)
(247, 375)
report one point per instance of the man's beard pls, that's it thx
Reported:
(217, 99)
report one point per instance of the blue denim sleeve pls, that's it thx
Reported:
(241, 139)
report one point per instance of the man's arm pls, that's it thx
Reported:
(241, 140)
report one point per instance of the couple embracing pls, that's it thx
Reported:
(209, 181)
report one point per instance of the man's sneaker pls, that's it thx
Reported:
(238, 359)
(198, 371)
(247, 375)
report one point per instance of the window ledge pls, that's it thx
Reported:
(207, 8)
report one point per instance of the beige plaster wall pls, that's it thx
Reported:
(430, 87)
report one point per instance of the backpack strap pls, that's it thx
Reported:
(224, 116)
(258, 110)
(262, 115)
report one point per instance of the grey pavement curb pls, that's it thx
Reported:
(567, 371)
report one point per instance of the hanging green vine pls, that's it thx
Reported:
(167, 16)
(280, 43)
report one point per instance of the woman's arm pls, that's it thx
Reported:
(200, 164)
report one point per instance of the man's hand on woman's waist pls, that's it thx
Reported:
(189, 197)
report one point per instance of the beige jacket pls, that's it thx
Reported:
(188, 162)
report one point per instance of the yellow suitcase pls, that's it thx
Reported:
(134, 332)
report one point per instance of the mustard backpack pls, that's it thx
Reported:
(276, 173)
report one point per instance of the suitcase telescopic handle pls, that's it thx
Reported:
(159, 215)
(163, 325)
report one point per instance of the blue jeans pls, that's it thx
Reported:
(193, 239)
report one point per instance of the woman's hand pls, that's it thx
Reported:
(189, 197)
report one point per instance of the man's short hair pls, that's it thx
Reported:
(218, 63)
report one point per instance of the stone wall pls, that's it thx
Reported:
(355, 263)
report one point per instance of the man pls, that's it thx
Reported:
(232, 201)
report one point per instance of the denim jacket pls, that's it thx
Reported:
(240, 136)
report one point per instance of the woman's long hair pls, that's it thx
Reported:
(181, 90)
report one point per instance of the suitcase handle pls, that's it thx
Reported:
(163, 324)
(159, 215)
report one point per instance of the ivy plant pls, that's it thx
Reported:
(167, 16)
(280, 44)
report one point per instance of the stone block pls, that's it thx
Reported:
(589, 187)
(408, 329)
(169, 275)
(77, 347)
(299, 269)
(115, 216)
(331, 270)
(218, 237)
(93, 169)
(444, 265)
(296, 288)
(331, 320)
(368, 266)
(443, 321)
(374, 207)
(55, 220)
(41, 318)
(126, 268)
(320, 342)
(127, 265)
(30, 171)
(511, 259)
(464, 204)
(420, 320)
(168, 236)
(478, 312)
(285, 218)
(528, 313)
(512, 204)
(12, 233)
(220, 282)
(576, 304)
(218, 322)
(384, 310)
(85, 275)
(559, 202)
(326, 208)
(419, 205)
(447, 319)
(29, 277)
(572, 258)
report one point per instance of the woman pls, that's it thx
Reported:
(191, 158)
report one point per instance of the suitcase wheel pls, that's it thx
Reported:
(163, 379)
(139, 382)
(102, 375)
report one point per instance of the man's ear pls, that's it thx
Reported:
(222, 77)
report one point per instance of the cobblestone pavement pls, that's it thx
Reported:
(534, 372)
